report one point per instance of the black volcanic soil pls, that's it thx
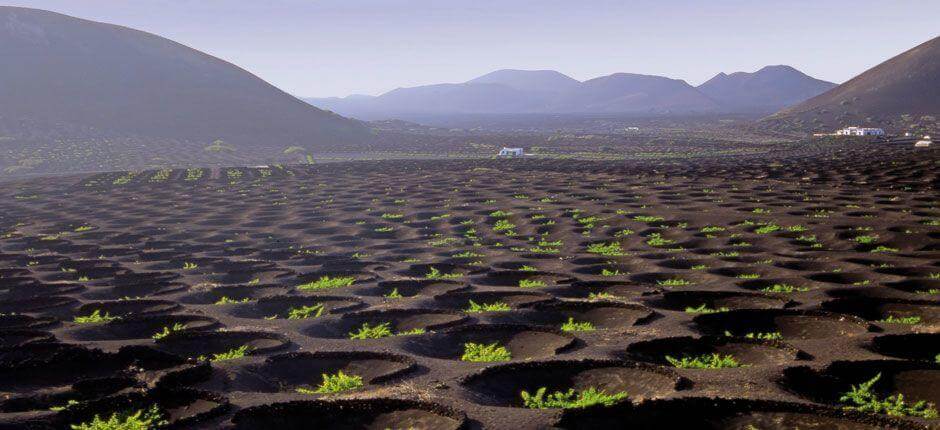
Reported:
(836, 251)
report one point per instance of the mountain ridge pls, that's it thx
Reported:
(514, 91)
(768, 90)
(529, 80)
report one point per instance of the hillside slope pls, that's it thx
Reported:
(896, 94)
(64, 76)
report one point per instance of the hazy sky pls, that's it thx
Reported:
(338, 47)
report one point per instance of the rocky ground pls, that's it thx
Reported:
(715, 292)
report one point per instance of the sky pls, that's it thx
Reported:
(322, 48)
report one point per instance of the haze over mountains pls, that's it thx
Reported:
(546, 81)
(64, 76)
(904, 89)
(551, 92)
(767, 90)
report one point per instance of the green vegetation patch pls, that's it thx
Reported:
(861, 398)
(674, 282)
(704, 309)
(169, 330)
(434, 273)
(911, 320)
(570, 399)
(610, 249)
(326, 282)
(572, 325)
(95, 317)
(367, 331)
(531, 283)
(231, 354)
(335, 383)
(783, 288)
(479, 352)
(475, 307)
(304, 312)
(705, 361)
(774, 335)
(137, 420)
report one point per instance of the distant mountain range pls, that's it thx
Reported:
(551, 92)
(900, 93)
(64, 76)
(766, 90)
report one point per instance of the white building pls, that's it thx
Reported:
(860, 131)
(510, 152)
(923, 143)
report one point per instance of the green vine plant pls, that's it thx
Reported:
(705, 361)
(861, 398)
(168, 330)
(231, 354)
(570, 399)
(478, 352)
(304, 312)
(326, 282)
(336, 383)
(572, 325)
(135, 420)
(476, 308)
(95, 317)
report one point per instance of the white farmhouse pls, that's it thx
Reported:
(860, 131)
(510, 152)
(923, 143)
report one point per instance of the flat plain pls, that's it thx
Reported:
(794, 288)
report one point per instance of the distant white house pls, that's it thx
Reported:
(632, 129)
(510, 152)
(923, 143)
(860, 131)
